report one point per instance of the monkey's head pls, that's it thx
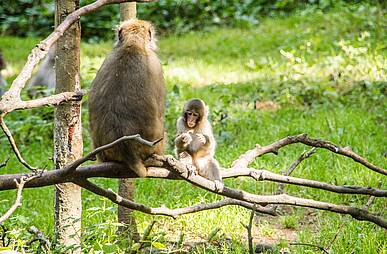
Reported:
(195, 110)
(137, 33)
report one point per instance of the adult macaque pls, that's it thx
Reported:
(3, 83)
(195, 142)
(128, 96)
(45, 78)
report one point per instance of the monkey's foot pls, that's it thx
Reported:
(219, 185)
(153, 162)
(192, 170)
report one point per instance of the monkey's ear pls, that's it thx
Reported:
(119, 34)
(150, 34)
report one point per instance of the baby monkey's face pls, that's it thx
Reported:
(192, 118)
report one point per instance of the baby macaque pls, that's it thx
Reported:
(195, 143)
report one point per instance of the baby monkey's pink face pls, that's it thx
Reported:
(191, 118)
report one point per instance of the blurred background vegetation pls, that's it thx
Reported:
(36, 17)
(267, 69)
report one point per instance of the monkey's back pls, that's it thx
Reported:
(127, 97)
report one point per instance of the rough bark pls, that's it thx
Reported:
(126, 187)
(68, 144)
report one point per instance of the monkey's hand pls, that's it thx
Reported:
(186, 138)
(201, 138)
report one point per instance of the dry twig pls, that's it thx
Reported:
(40, 237)
(18, 199)
(14, 147)
(262, 175)
(174, 213)
(249, 229)
(4, 163)
(372, 198)
(290, 170)
(245, 159)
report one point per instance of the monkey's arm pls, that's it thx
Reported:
(201, 144)
(181, 143)
(183, 138)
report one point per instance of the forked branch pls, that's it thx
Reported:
(174, 213)
(14, 147)
(41, 50)
(282, 199)
(17, 203)
(170, 168)
(245, 159)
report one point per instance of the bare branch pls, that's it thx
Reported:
(39, 236)
(174, 213)
(170, 168)
(245, 159)
(372, 198)
(18, 199)
(4, 163)
(249, 231)
(52, 100)
(146, 234)
(12, 142)
(299, 160)
(41, 50)
(345, 151)
(288, 172)
(282, 199)
(73, 166)
(116, 170)
(262, 175)
(120, 171)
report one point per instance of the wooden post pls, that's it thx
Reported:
(126, 187)
(68, 145)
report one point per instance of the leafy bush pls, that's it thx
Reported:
(36, 17)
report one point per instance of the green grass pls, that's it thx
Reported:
(326, 72)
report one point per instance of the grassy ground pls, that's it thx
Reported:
(323, 74)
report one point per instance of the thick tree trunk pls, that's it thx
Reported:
(127, 186)
(68, 129)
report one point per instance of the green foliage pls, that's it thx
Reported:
(27, 17)
(324, 74)
(36, 17)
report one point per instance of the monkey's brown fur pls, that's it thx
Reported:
(190, 148)
(127, 97)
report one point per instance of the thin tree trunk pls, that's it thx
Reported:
(128, 11)
(67, 128)
(127, 186)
